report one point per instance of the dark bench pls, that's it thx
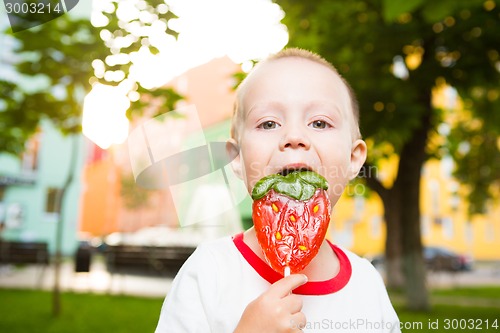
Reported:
(154, 260)
(24, 252)
(20, 253)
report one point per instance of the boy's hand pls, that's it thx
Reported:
(276, 310)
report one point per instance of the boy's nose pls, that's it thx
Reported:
(294, 140)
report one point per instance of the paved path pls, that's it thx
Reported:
(98, 280)
(487, 274)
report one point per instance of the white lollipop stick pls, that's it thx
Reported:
(287, 271)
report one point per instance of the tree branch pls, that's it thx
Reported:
(372, 180)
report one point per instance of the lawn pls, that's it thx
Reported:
(30, 311)
(483, 292)
(451, 318)
(469, 309)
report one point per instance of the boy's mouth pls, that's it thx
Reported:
(292, 168)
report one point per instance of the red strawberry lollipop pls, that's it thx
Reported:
(291, 215)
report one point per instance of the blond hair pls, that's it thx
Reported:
(238, 111)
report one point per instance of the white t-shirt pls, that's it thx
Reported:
(213, 288)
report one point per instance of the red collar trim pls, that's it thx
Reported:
(310, 288)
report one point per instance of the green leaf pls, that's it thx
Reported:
(264, 185)
(435, 11)
(393, 9)
(314, 179)
(290, 187)
(299, 185)
(308, 191)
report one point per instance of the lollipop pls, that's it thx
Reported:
(291, 215)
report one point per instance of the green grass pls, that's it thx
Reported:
(31, 311)
(469, 309)
(482, 292)
(24, 311)
(448, 318)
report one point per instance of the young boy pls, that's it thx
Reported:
(293, 111)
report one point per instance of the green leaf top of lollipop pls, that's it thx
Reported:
(299, 185)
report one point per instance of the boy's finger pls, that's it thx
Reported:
(285, 286)
(293, 303)
(298, 321)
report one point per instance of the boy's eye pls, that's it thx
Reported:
(320, 124)
(269, 125)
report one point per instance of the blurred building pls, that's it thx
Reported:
(31, 184)
(358, 221)
(112, 202)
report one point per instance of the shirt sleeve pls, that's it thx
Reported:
(188, 304)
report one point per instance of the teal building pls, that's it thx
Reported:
(30, 184)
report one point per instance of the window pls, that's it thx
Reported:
(14, 216)
(29, 158)
(51, 202)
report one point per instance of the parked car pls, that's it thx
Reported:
(438, 259)
(441, 259)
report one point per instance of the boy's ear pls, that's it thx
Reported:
(233, 152)
(358, 157)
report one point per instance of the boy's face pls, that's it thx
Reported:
(297, 116)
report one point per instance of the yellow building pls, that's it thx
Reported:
(358, 222)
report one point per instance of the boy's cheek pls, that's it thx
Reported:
(252, 173)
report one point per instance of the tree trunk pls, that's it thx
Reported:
(56, 294)
(393, 242)
(412, 158)
(2, 222)
(405, 265)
